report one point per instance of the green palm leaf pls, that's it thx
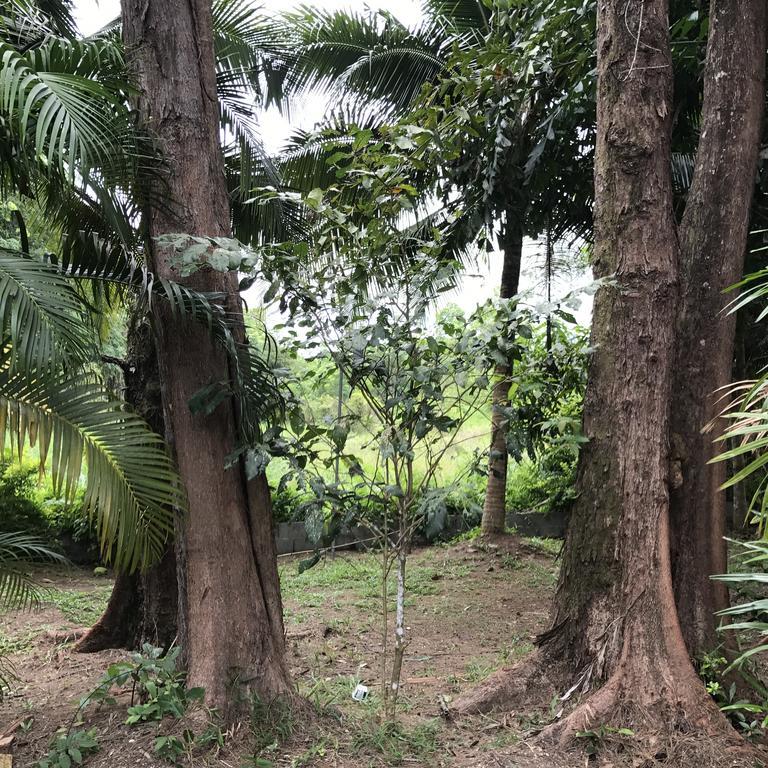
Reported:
(18, 589)
(57, 109)
(39, 311)
(131, 486)
(458, 15)
(364, 61)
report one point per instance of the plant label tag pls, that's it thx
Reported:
(359, 694)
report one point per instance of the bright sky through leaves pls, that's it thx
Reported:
(476, 287)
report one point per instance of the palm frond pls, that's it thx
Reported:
(18, 589)
(362, 59)
(305, 163)
(56, 107)
(131, 487)
(253, 382)
(458, 15)
(39, 313)
(18, 550)
(251, 43)
(27, 23)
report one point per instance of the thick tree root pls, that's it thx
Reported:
(641, 724)
(525, 684)
(117, 627)
(102, 638)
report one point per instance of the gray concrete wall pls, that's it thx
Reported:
(292, 537)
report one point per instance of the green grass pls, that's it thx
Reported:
(477, 670)
(82, 608)
(538, 575)
(360, 577)
(545, 546)
(516, 650)
(17, 643)
(511, 562)
(395, 743)
(472, 436)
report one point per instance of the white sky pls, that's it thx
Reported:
(476, 287)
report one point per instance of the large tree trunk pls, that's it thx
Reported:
(713, 238)
(614, 614)
(615, 631)
(230, 615)
(143, 606)
(495, 504)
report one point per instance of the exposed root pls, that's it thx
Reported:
(689, 731)
(677, 729)
(524, 684)
(101, 638)
(118, 624)
(65, 636)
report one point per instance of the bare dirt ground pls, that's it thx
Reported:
(473, 608)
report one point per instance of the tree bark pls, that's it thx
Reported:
(615, 633)
(495, 503)
(143, 606)
(713, 237)
(230, 614)
(614, 613)
(119, 625)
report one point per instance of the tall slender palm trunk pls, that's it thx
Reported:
(495, 506)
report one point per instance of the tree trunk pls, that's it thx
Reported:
(713, 237)
(614, 616)
(143, 606)
(615, 632)
(495, 504)
(230, 614)
(119, 625)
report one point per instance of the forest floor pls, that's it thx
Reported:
(472, 609)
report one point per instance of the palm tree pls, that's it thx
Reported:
(63, 124)
(523, 165)
(70, 150)
(99, 211)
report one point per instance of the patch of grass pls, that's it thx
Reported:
(396, 743)
(82, 608)
(272, 723)
(470, 535)
(538, 575)
(518, 649)
(511, 562)
(16, 643)
(338, 574)
(506, 738)
(327, 692)
(314, 752)
(477, 670)
(545, 546)
(422, 581)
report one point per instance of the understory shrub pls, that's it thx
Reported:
(72, 528)
(28, 504)
(545, 485)
(158, 692)
(19, 508)
(747, 715)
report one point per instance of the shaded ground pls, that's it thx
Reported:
(472, 609)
